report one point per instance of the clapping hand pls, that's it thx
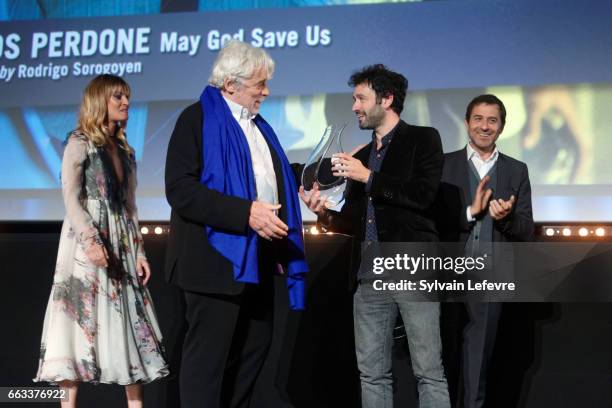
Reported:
(481, 197)
(499, 209)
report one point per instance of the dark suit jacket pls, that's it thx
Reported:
(402, 192)
(454, 197)
(191, 262)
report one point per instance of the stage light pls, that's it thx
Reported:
(144, 230)
(574, 232)
(158, 230)
(314, 230)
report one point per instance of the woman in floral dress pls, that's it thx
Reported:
(100, 326)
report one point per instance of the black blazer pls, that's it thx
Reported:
(402, 192)
(191, 262)
(454, 197)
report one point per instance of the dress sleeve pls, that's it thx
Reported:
(133, 210)
(73, 163)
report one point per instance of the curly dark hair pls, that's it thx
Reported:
(384, 82)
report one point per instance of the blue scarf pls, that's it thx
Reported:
(228, 169)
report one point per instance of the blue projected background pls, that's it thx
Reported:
(549, 61)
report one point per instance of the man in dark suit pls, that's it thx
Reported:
(392, 183)
(493, 205)
(235, 222)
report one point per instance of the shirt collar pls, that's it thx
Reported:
(471, 153)
(384, 142)
(238, 111)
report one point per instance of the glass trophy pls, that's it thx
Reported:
(318, 167)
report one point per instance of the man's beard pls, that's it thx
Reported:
(373, 119)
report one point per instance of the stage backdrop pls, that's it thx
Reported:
(549, 61)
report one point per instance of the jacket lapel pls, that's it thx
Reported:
(459, 171)
(503, 178)
(364, 154)
(395, 157)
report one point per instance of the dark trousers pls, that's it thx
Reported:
(226, 344)
(478, 343)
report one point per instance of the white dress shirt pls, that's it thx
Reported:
(263, 168)
(482, 167)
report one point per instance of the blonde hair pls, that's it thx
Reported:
(93, 115)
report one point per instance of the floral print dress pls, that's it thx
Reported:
(100, 325)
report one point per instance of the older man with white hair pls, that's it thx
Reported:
(235, 222)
